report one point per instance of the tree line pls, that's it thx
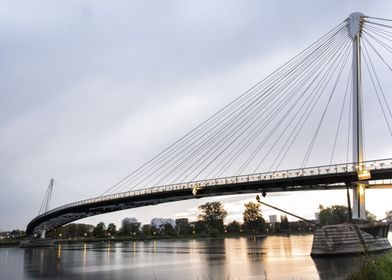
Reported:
(210, 223)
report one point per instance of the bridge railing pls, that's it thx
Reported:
(258, 177)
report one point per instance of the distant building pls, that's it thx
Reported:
(11, 234)
(4, 235)
(182, 226)
(160, 222)
(317, 216)
(182, 221)
(130, 221)
(273, 219)
(130, 226)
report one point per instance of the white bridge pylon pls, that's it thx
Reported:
(355, 29)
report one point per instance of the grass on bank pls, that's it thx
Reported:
(374, 267)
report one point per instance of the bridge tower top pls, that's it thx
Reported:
(355, 24)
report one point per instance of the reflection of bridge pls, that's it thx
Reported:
(314, 178)
(263, 126)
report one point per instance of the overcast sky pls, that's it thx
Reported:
(90, 90)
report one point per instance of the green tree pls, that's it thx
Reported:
(168, 229)
(301, 226)
(338, 214)
(233, 227)
(154, 230)
(201, 227)
(146, 229)
(112, 230)
(129, 227)
(83, 230)
(284, 223)
(99, 230)
(253, 218)
(213, 214)
(72, 231)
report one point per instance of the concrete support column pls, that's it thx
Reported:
(359, 210)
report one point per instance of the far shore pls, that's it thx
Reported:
(15, 243)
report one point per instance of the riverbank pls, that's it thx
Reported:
(14, 243)
(9, 243)
(149, 238)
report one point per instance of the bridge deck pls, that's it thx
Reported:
(313, 178)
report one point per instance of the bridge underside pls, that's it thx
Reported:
(64, 215)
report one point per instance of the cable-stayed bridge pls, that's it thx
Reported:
(313, 108)
(313, 178)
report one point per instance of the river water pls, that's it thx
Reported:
(273, 257)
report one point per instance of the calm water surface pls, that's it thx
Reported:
(274, 257)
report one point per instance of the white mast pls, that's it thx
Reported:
(48, 197)
(355, 29)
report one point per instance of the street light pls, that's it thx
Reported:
(364, 175)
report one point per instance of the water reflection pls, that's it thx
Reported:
(254, 248)
(84, 255)
(214, 258)
(59, 251)
(333, 268)
(134, 248)
(274, 257)
(42, 262)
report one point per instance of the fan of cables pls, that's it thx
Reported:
(297, 116)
